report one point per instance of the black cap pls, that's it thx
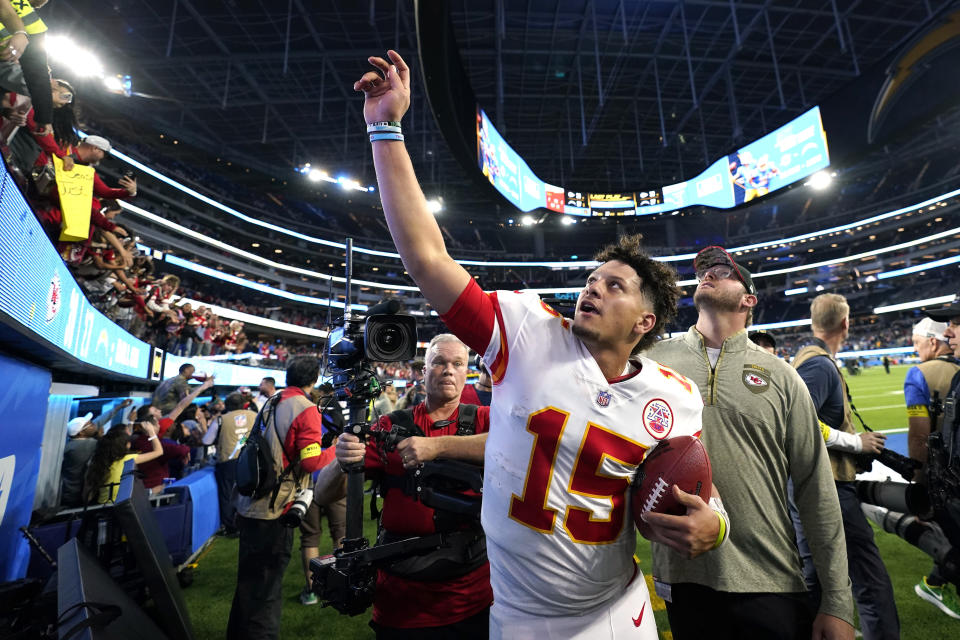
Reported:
(712, 256)
(763, 339)
(945, 314)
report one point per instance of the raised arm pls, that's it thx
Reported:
(190, 397)
(157, 449)
(415, 232)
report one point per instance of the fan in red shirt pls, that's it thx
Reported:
(459, 603)
(89, 152)
(156, 470)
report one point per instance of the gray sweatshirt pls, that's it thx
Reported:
(760, 427)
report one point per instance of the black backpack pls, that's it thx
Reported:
(257, 474)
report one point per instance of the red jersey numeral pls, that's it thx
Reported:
(587, 479)
(531, 510)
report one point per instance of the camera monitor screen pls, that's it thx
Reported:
(136, 518)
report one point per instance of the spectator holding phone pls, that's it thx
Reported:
(106, 466)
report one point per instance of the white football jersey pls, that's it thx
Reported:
(564, 445)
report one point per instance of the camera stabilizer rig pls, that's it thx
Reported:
(346, 579)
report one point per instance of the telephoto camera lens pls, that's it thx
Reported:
(294, 515)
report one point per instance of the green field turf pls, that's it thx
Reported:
(876, 395)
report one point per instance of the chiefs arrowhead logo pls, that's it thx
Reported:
(755, 379)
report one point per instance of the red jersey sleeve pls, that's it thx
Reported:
(304, 437)
(97, 219)
(101, 190)
(471, 317)
(48, 143)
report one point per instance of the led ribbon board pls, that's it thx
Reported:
(38, 292)
(780, 158)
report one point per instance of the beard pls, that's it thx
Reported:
(586, 335)
(717, 300)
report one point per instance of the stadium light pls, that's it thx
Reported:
(567, 221)
(119, 84)
(915, 304)
(527, 221)
(81, 62)
(820, 180)
(315, 175)
(435, 205)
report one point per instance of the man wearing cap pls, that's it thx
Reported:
(89, 152)
(926, 385)
(760, 429)
(873, 592)
(82, 432)
(929, 378)
(765, 341)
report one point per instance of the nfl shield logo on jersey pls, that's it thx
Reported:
(603, 398)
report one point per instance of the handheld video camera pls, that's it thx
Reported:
(378, 336)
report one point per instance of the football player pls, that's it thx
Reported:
(574, 412)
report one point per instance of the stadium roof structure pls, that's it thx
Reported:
(612, 93)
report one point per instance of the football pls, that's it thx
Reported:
(680, 461)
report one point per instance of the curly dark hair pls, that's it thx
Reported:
(658, 283)
(110, 448)
(65, 123)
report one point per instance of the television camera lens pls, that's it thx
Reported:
(390, 338)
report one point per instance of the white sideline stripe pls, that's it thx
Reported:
(883, 407)
(898, 392)
(896, 430)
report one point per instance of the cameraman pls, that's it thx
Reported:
(936, 340)
(872, 590)
(294, 433)
(454, 606)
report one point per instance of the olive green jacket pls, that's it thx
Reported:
(760, 429)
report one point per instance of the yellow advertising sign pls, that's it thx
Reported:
(76, 199)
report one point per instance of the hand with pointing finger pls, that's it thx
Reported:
(387, 90)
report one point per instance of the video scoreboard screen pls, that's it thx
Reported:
(780, 158)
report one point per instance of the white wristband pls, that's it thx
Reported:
(151, 438)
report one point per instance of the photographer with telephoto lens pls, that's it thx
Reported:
(872, 590)
(926, 386)
(293, 430)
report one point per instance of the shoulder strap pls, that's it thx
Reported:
(272, 403)
(404, 418)
(467, 420)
